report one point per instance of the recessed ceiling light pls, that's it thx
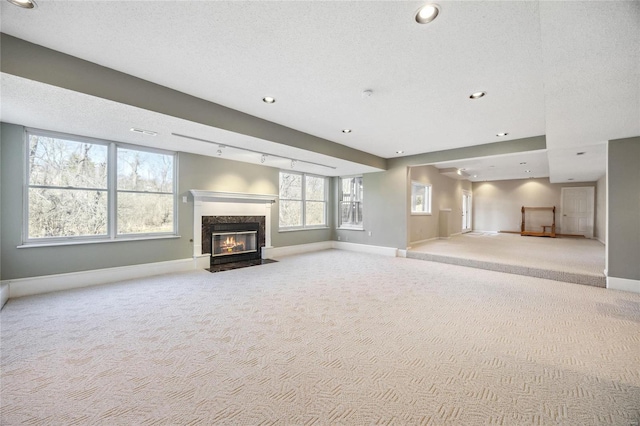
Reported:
(477, 95)
(527, 171)
(27, 4)
(570, 179)
(502, 134)
(475, 175)
(144, 132)
(581, 153)
(400, 152)
(268, 100)
(524, 162)
(346, 130)
(427, 13)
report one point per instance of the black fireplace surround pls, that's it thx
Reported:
(229, 225)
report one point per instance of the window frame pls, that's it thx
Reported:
(111, 190)
(339, 203)
(303, 200)
(428, 190)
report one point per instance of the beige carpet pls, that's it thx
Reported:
(574, 260)
(326, 338)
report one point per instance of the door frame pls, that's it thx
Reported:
(591, 201)
(470, 210)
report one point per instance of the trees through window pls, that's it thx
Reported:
(350, 202)
(303, 200)
(420, 198)
(85, 188)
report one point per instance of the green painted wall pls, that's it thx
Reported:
(623, 192)
(194, 172)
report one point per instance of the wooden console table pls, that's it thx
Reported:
(552, 228)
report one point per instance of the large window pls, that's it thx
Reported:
(80, 188)
(420, 198)
(303, 201)
(350, 202)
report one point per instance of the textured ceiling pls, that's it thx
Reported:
(567, 70)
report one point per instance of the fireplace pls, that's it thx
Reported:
(233, 238)
(233, 242)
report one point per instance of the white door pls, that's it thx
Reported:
(577, 211)
(466, 211)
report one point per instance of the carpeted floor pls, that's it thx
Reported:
(574, 260)
(332, 337)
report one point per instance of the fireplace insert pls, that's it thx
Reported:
(233, 242)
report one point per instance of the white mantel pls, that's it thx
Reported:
(216, 203)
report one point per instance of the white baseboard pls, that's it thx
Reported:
(4, 294)
(48, 283)
(203, 261)
(275, 252)
(364, 248)
(624, 284)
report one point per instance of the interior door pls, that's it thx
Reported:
(577, 211)
(466, 211)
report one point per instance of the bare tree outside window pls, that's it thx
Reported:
(351, 197)
(145, 192)
(68, 190)
(420, 198)
(303, 200)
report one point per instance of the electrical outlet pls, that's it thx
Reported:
(370, 233)
(184, 198)
(339, 237)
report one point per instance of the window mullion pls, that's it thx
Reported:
(112, 186)
(304, 200)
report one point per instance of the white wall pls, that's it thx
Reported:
(497, 204)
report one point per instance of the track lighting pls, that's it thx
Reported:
(263, 157)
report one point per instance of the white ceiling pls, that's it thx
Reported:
(567, 70)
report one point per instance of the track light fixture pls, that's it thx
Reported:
(264, 156)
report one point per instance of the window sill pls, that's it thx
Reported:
(348, 228)
(314, 228)
(421, 214)
(81, 242)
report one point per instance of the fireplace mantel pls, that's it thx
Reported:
(216, 203)
(234, 197)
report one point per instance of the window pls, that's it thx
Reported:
(80, 188)
(350, 201)
(303, 201)
(420, 198)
